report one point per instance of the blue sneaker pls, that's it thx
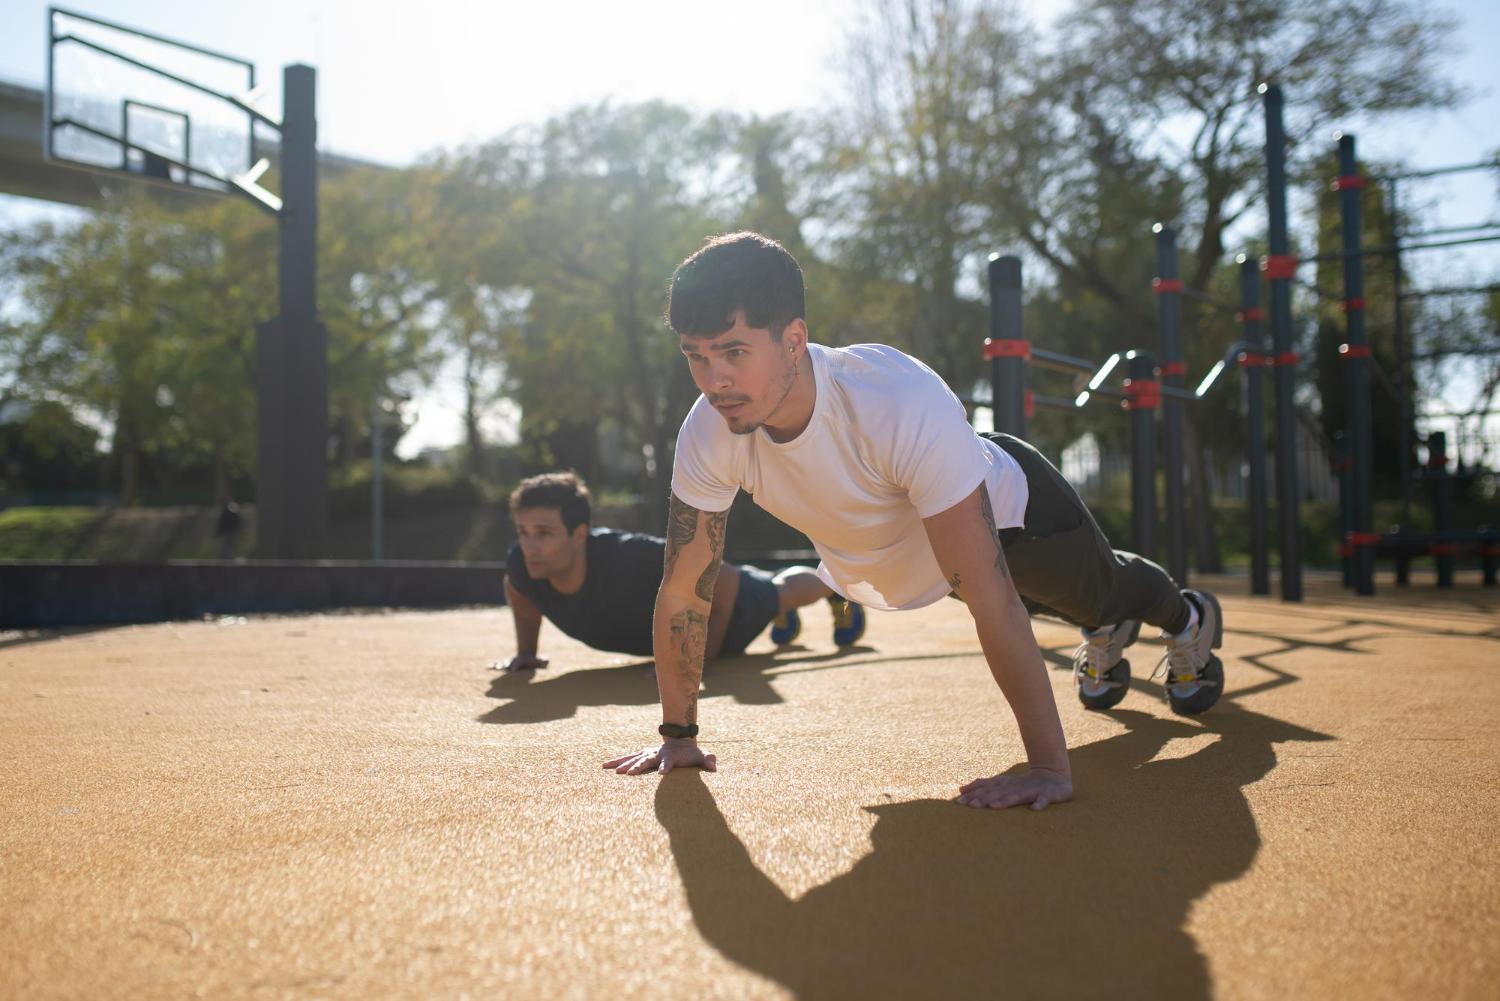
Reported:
(786, 628)
(848, 622)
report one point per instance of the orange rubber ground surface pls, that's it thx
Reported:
(353, 806)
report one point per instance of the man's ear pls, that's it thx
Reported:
(794, 336)
(580, 533)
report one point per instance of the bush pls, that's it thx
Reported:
(48, 533)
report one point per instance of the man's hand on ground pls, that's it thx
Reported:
(520, 662)
(1037, 787)
(672, 754)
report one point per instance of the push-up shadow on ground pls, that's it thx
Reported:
(1083, 900)
(537, 698)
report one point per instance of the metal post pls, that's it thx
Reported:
(1168, 288)
(377, 481)
(1281, 269)
(1255, 418)
(1442, 506)
(1007, 358)
(307, 339)
(1344, 468)
(1356, 354)
(1399, 330)
(1141, 374)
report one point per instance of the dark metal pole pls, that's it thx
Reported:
(1344, 467)
(1281, 269)
(307, 339)
(1143, 392)
(377, 480)
(1007, 348)
(1168, 288)
(1443, 549)
(1356, 354)
(1255, 418)
(1399, 330)
(292, 352)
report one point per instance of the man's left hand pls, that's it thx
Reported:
(1039, 787)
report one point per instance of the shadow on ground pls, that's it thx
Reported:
(1084, 900)
(747, 679)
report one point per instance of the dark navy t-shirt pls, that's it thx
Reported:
(613, 609)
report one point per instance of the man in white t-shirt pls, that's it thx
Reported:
(867, 452)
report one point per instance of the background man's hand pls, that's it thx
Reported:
(520, 662)
(1037, 787)
(672, 754)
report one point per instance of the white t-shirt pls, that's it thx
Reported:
(888, 445)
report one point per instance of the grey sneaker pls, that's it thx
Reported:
(1195, 677)
(1099, 666)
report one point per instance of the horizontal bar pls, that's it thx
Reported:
(1458, 413)
(1061, 362)
(1053, 402)
(1338, 255)
(1449, 230)
(1439, 171)
(1455, 290)
(1449, 352)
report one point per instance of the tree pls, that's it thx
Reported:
(937, 106)
(620, 196)
(144, 315)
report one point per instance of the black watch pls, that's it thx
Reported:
(677, 730)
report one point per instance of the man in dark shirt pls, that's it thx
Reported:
(599, 586)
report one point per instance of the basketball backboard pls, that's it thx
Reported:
(127, 101)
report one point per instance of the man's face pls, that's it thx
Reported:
(549, 549)
(745, 372)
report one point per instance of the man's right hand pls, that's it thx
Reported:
(520, 662)
(672, 754)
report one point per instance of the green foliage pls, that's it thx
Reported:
(37, 533)
(44, 447)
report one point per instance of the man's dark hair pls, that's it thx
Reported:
(733, 273)
(564, 491)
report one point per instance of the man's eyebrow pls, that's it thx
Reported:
(725, 346)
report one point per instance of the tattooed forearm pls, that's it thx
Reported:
(988, 513)
(714, 523)
(689, 636)
(682, 526)
(954, 582)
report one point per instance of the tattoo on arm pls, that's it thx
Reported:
(714, 523)
(682, 526)
(955, 582)
(988, 513)
(689, 637)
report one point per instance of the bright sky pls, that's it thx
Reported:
(397, 79)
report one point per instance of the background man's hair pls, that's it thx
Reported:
(564, 491)
(733, 273)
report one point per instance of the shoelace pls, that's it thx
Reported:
(1091, 658)
(1178, 663)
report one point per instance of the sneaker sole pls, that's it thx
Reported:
(1212, 676)
(1207, 694)
(793, 630)
(1119, 678)
(854, 632)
